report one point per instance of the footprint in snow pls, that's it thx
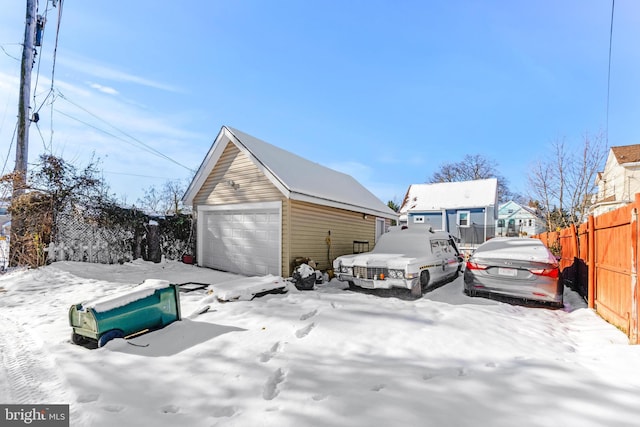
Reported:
(378, 387)
(271, 390)
(267, 355)
(301, 333)
(113, 408)
(170, 409)
(224, 411)
(309, 315)
(87, 398)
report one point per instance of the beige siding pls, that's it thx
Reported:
(235, 179)
(309, 225)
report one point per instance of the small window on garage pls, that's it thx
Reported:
(418, 219)
(464, 218)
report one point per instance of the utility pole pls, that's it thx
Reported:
(24, 120)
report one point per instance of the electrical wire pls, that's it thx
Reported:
(7, 53)
(141, 144)
(55, 46)
(613, 5)
(6, 159)
(44, 143)
(35, 85)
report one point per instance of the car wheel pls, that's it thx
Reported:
(352, 285)
(424, 279)
(470, 292)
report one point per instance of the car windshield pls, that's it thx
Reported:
(403, 242)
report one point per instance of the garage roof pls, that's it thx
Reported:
(296, 177)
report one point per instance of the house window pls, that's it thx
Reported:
(464, 219)
(501, 223)
(529, 223)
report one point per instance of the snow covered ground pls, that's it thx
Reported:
(328, 357)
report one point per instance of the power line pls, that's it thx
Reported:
(7, 53)
(144, 147)
(613, 4)
(4, 167)
(133, 174)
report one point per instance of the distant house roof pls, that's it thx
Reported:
(296, 177)
(517, 207)
(627, 153)
(451, 195)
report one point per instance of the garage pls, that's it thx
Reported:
(242, 239)
(258, 208)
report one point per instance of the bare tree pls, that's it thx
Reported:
(172, 193)
(473, 167)
(541, 182)
(564, 181)
(164, 200)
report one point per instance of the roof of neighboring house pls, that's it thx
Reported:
(627, 153)
(451, 195)
(528, 209)
(296, 177)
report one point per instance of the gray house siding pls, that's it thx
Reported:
(476, 231)
(425, 219)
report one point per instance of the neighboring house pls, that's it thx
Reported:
(620, 180)
(259, 208)
(466, 209)
(517, 220)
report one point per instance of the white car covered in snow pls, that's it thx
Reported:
(409, 258)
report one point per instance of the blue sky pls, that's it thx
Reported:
(385, 91)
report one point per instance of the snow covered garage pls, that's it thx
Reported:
(259, 207)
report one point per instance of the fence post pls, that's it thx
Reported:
(591, 261)
(633, 321)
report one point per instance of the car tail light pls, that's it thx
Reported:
(548, 272)
(476, 266)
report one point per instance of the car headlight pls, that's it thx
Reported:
(346, 270)
(396, 274)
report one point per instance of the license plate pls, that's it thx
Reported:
(511, 272)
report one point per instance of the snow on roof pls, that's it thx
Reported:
(451, 195)
(303, 179)
(306, 178)
(109, 302)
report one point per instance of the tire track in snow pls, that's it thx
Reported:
(27, 373)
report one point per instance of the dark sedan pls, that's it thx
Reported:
(514, 267)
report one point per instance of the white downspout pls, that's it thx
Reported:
(485, 224)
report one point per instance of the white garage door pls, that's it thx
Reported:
(241, 239)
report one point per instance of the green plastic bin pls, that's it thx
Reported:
(151, 305)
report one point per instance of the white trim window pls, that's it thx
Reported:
(418, 219)
(464, 219)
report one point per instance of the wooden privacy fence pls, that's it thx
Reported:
(599, 259)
